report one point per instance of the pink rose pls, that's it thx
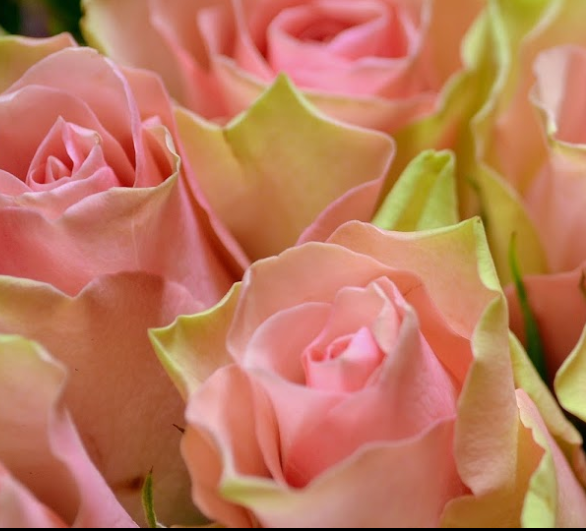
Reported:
(378, 64)
(541, 197)
(46, 478)
(90, 178)
(367, 382)
(554, 198)
(530, 146)
(102, 238)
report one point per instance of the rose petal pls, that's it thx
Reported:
(19, 508)
(555, 496)
(569, 380)
(515, 146)
(505, 214)
(424, 197)
(240, 90)
(554, 203)
(258, 160)
(100, 26)
(28, 130)
(558, 304)
(120, 399)
(40, 445)
(206, 333)
(414, 251)
(18, 54)
(120, 230)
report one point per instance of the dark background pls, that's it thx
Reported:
(39, 18)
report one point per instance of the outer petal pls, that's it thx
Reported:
(558, 303)
(408, 497)
(570, 380)
(186, 79)
(122, 403)
(262, 189)
(562, 430)
(41, 447)
(120, 230)
(421, 252)
(240, 90)
(515, 144)
(504, 214)
(18, 54)
(424, 197)
(555, 497)
(20, 509)
(205, 333)
(330, 499)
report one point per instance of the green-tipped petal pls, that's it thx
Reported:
(424, 197)
(570, 380)
(271, 172)
(18, 54)
(504, 214)
(554, 498)
(194, 346)
(527, 378)
(40, 447)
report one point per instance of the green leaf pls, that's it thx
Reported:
(534, 345)
(424, 197)
(148, 502)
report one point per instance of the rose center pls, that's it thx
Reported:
(61, 155)
(344, 365)
(322, 31)
(348, 31)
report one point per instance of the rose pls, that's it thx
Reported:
(40, 449)
(98, 214)
(381, 64)
(554, 199)
(530, 149)
(512, 147)
(91, 180)
(346, 384)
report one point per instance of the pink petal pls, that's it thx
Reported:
(20, 509)
(559, 306)
(570, 502)
(41, 447)
(120, 230)
(120, 398)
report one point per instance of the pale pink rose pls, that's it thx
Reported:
(90, 176)
(46, 477)
(554, 197)
(102, 237)
(365, 382)
(532, 133)
(378, 63)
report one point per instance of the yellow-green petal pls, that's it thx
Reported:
(424, 197)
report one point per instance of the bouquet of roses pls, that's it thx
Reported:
(294, 263)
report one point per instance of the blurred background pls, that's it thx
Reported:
(39, 18)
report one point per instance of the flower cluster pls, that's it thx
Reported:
(295, 263)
